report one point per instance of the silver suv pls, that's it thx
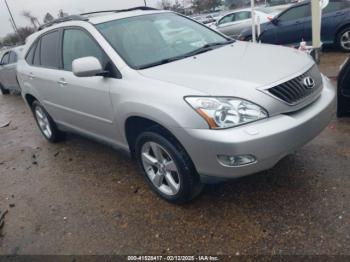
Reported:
(191, 105)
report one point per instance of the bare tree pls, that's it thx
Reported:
(206, 5)
(165, 4)
(16, 39)
(61, 13)
(236, 3)
(168, 5)
(33, 20)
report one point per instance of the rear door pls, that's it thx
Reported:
(332, 16)
(289, 26)
(45, 68)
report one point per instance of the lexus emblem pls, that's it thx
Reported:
(308, 82)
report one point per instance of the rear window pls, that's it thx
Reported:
(36, 58)
(30, 54)
(49, 50)
(5, 59)
(13, 58)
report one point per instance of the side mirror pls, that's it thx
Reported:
(274, 21)
(87, 67)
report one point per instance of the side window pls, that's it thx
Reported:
(49, 50)
(13, 58)
(5, 59)
(78, 44)
(227, 19)
(30, 54)
(36, 58)
(242, 16)
(334, 7)
(295, 13)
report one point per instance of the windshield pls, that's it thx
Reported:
(146, 40)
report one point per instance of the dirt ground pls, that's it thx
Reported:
(80, 197)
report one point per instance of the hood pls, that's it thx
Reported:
(232, 69)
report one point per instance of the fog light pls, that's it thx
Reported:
(234, 161)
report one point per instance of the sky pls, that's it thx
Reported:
(40, 7)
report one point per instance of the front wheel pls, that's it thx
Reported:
(3, 90)
(343, 40)
(167, 167)
(45, 123)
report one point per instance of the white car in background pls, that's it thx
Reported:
(233, 23)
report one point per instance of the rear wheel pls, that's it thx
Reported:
(343, 39)
(3, 90)
(45, 123)
(167, 167)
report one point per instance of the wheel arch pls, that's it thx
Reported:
(135, 125)
(339, 29)
(30, 99)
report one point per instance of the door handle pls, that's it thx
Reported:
(62, 82)
(31, 76)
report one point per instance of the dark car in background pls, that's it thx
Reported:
(294, 25)
(8, 70)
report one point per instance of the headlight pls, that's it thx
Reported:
(226, 112)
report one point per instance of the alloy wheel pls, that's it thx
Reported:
(43, 122)
(160, 168)
(345, 40)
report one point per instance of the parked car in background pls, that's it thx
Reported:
(344, 90)
(294, 25)
(233, 23)
(189, 113)
(206, 18)
(8, 70)
(280, 2)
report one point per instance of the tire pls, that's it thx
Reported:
(344, 35)
(3, 90)
(45, 123)
(186, 179)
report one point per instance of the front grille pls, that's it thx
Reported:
(294, 91)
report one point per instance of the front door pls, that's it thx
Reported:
(85, 102)
(288, 27)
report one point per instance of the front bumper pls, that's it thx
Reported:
(268, 140)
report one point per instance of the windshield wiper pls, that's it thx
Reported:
(208, 47)
(162, 62)
(200, 50)
(219, 43)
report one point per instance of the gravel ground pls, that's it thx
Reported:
(80, 197)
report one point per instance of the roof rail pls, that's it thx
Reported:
(82, 18)
(142, 8)
(63, 19)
